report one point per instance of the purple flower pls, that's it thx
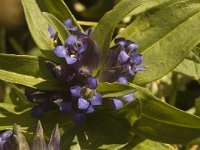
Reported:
(122, 61)
(87, 96)
(68, 25)
(51, 31)
(72, 49)
(128, 98)
(5, 139)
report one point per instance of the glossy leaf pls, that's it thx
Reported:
(60, 10)
(37, 24)
(162, 122)
(27, 70)
(191, 65)
(165, 34)
(114, 89)
(57, 26)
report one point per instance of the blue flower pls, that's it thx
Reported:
(72, 49)
(128, 98)
(52, 32)
(122, 61)
(87, 96)
(5, 139)
(68, 25)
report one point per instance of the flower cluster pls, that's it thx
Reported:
(80, 97)
(82, 55)
(122, 63)
(5, 139)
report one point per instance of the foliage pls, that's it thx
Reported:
(168, 36)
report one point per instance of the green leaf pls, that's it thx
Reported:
(164, 123)
(165, 34)
(103, 32)
(91, 136)
(27, 70)
(37, 24)
(152, 145)
(11, 114)
(191, 65)
(60, 11)
(16, 96)
(114, 89)
(57, 26)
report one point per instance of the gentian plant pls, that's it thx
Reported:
(95, 81)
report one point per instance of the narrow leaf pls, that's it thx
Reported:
(103, 32)
(163, 37)
(57, 26)
(114, 89)
(60, 10)
(37, 24)
(164, 123)
(27, 70)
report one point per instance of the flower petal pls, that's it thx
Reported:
(140, 68)
(123, 57)
(81, 35)
(76, 91)
(70, 60)
(74, 28)
(132, 47)
(82, 48)
(129, 97)
(52, 32)
(90, 109)
(91, 82)
(60, 51)
(6, 134)
(117, 104)
(71, 40)
(96, 99)
(123, 80)
(121, 41)
(78, 117)
(131, 71)
(89, 31)
(67, 23)
(82, 103)
(137, 59)
(65, 107)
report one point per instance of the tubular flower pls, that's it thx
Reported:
(71, 51)
(122, 60)
(87, 95)
(51, 32)
(128, 98)
(68, 24)
(82, 56)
